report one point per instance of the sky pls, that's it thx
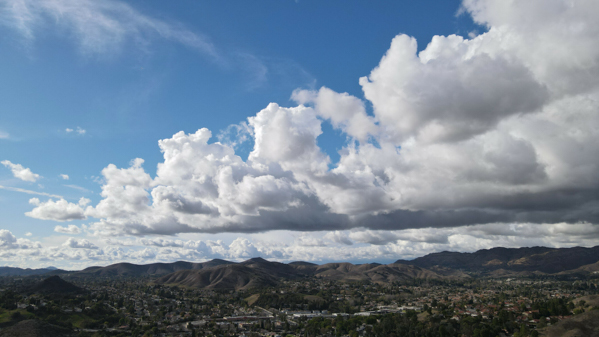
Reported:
(360, 131)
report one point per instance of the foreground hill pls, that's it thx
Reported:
(257, 272)
(34, 328)
(56, 286)
(130, 269)
(534, 259)
(585, 324)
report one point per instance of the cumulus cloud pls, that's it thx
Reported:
(64, 176)
(21, 172)
(309, 241)
(345, 112)
(242, 247)
(9, 242)
(284, 246)
(79, 243)
(492, 130)
(59, 210)
(339, 237)
(70, 229)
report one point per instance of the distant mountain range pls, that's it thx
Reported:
(129, 269)
(257, 272)
(13, 271)
(534, 259)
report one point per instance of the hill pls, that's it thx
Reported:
(34, 328)
(533, 259)
(585, 324)
(56, 286)
(153, 269)
(13, 271)
(257, 272)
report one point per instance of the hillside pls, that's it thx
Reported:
(533, 259)
(34, 328)
(585, 324)
(14, 271)
(55, 285)
(154, 269)
(235, 276)
(257, 272)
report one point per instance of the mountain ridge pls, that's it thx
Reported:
(494, 262)
(526, 259)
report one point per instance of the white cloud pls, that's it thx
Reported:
(339, 237)
(79, 188)
(243, 248)
(70, 229)
(79, 243)
(103, 27)
(345, 112)
(64, 176)
(60, 210)
(309, 241)
(78, 130)
(9, 242)
(4, 135)
(284, 246)
(28, 234)
(21, 172)
(496, 129)
(21, 190)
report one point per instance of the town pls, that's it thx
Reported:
(307, 307)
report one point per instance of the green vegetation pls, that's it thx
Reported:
(307, 307)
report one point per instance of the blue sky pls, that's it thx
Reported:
(401, 128)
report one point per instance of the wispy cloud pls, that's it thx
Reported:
(100, 27)
(78, 130)
(79, 188)
(4, 135)
(21, 190)
(21, 172)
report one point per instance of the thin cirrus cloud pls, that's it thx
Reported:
(100, 27)
(105, 28)
(492, 129)
(22, 190)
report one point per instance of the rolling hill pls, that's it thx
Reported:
(153, 269)
(257, 272)
(533, 259)
(55, 285)
(14, 271)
